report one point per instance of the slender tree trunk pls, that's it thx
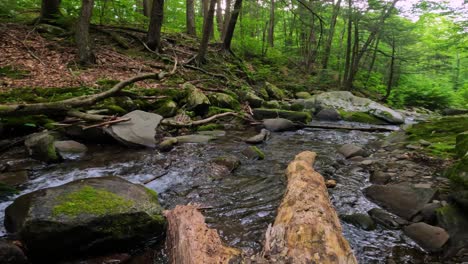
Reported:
(190, 18)
(340, 53)
(391, 72)
(227, 18)
(154, 31)
(271, 26)
(372, 62)
(83, 40)
(348, 45)
(207, 29)
(50, 9)
(331, 33)
(354, 64)
(219, 17)
(232, 25)
(147, 7)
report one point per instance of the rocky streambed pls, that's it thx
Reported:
(241, 204)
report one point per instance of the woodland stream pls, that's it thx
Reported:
(240, 206)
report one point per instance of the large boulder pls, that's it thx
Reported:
(346, 101)
(224, 101)
(70, 149)
(140, 130)
(274, 92)
(196, 100)
(431, 238)
(296, 116)
(253, 99)
(401, 199)
(87, 216)
(279, 124)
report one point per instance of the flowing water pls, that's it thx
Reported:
(240, 206)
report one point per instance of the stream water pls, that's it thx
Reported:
(240, 206)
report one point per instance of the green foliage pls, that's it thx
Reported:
(89, 200)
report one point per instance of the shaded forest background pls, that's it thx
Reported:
(418, 57)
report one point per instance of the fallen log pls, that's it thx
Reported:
(190, 241)
(307, 228)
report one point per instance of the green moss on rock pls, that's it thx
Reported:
(209, 127)
(361, 118)
(89, 200)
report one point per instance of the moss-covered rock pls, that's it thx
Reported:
(214, 110)
(361, 118)
(458, 173)
(253, 99)
(224, 101)
(41, 147)
(253, 152)
(209, 127)
(303, 95)
(87, 216)
(262, 113)
(166, 108)
(20, 125)
(461, 146)
(274, 92)
(196, 100)
(273, 104)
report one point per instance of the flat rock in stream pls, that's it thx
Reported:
(94, 215)
(279, 124)
(350, 150)
(431, 238)
(402, 199)
(140, 130)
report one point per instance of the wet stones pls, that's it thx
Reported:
(85, 216)
(431, 238)
(279, 124)
(350, 150)
(386, 219)
(403, 199)
(259, 138)
(328, 114)
(70, 149)
(253, 153)
(362, 221)
(40, 146)
(229, 161)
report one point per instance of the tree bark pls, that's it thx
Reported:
(207, 29)
(147, 7)
(232, 25)
(154, 31)
(50, 9)
(85, 53)
(227, 18)
(190, 241)
(391, 72)
(219, 16)
(331, 34)
(306, 228)
(349, 42)
(190, 18)
(271, 25)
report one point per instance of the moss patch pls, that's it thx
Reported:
(213, 110)
(10, 72)
(260, 153)
(209, 127)
(361, 118)
(89, 200)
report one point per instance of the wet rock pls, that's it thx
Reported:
(350, 150)
(303, 95)
(403, 199)
(230, 162)
(259, 138)
(194, 138)
(253, 99)
(328, 114)
(254, 153)
(362, 221)
(386, 219)
(70, 149)
(274, 92)
(431, 238)
(224, 101)
(85, 216)
(140, 130)
(461, 146)
(330, 183)
(11, 254)
(455, 221)
(166, 108)
(404, 254)
(380, 177)
(167, 144)
(346, 101)
(428, 213)
(296, 116)
(196, 99)
(41, 146)
(279, 124)
(14, 178)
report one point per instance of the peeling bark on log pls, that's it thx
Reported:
(190, 241)
(307, 228)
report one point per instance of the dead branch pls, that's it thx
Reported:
(88, 117)
(173, 123)
(107, 123)
(155, 177)
(69, 104)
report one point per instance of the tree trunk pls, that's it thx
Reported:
(353, 64)
(372, 62)
(227, 18)
(232, 25)
(147, 6)
(190, 18)
(190, 241)
(50, 9)
(391, 72)
(219, 16)
(271, 25)
(331, 33)
(154, 31)
(83, 40)
(347, 67)
(207, 29)
(307, 228)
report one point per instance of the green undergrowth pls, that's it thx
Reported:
(441, 133)
(89, 200)
(12, 73)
